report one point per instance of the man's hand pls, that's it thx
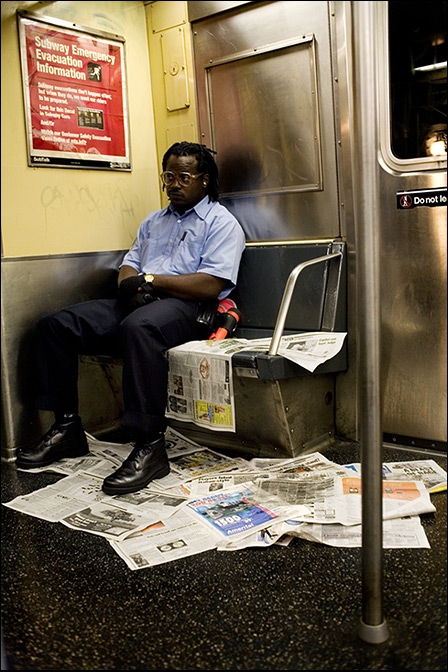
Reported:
(130, 286)
(136, 292)
(141, 299)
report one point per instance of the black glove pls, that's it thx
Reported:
(129, 286)
(146, 295)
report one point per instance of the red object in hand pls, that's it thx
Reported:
(225, 305)
(229, 319)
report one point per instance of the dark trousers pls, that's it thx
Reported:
(105, 327)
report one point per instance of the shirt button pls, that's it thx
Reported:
(179, 221)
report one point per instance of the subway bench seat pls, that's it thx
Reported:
(282, 409)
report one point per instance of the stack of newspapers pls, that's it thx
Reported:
(210, 501)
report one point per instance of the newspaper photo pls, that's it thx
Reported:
(108, 521)
(239, 511)
(179, 537)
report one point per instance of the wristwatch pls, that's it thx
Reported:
(149, 278)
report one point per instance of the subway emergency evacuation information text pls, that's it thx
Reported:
(74, 98)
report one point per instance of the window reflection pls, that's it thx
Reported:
(418, 65)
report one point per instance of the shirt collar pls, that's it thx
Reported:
(202, 208)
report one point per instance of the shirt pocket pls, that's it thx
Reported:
(187, 257)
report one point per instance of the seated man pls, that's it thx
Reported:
(183, 255)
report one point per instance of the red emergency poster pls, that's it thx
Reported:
(74, 88)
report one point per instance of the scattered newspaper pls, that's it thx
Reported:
(212, 501)
(200, 375)
(123, 515)
(334, 499)
(240, 511)
(209, 485)
(314, 462)
(61, 499)
(428, 471)
(179, 537)
(397, 533)
(107, 520)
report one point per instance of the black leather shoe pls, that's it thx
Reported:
(61, 440)
(147, 461)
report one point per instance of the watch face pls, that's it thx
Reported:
(149, 277)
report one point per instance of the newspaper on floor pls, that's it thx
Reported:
(230, 503)
(315, 462)
(259, 467)
(205, 460)
(55, 501)
(107, 520)
(236, 512)
(263, 463)
(200, 375)
(159, 505)
(121, 515)
(178, 537)
(397, 533)
(262, 538)
(211, 484)
(178, 444)
(428, 471)
(331, 498)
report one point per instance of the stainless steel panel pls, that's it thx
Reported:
(346, 403)
(278, 419)
(266, 99)
(413, 275)
(202, 8)
(414, 311)
(413, 279)
(257, 116)
(31, 288)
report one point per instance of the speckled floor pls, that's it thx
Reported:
(69, 602)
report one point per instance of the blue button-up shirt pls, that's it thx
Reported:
(205, 239)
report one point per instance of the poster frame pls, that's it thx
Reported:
(63, 159)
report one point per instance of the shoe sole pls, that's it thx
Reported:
(45, 463)
(116, 490)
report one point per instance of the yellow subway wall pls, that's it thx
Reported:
(48, 211)
(165, 20)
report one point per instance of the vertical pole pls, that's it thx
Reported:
(373, 627)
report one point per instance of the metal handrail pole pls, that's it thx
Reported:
(373, 627)
(287, 296)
